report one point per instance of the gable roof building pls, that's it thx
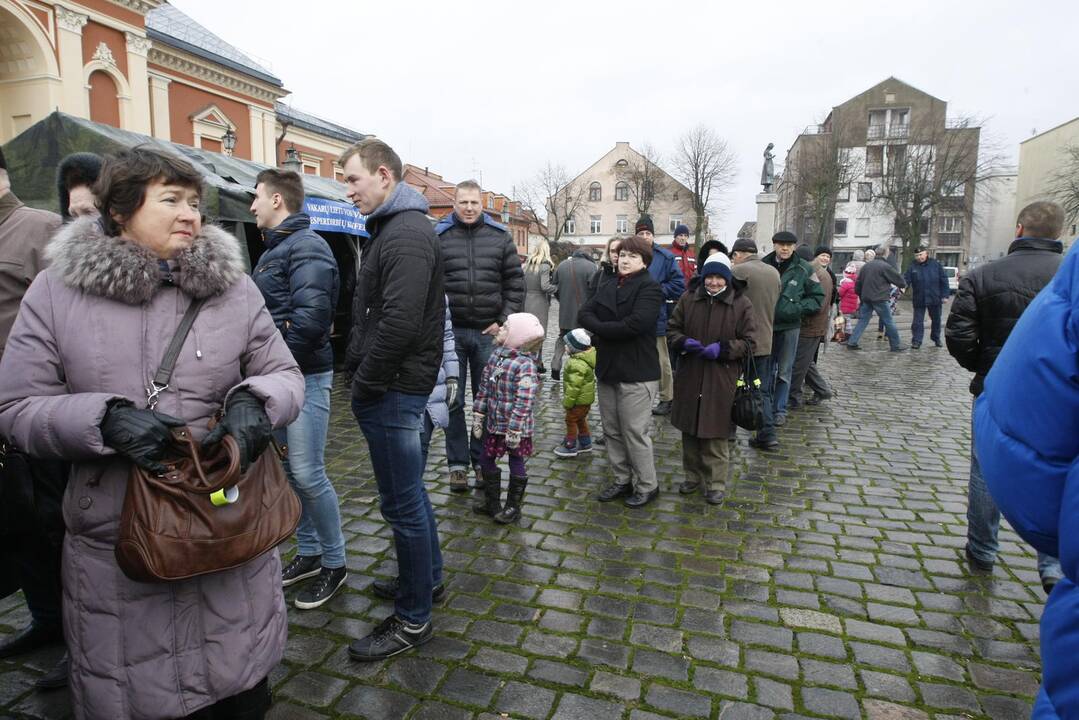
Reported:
(611, 201)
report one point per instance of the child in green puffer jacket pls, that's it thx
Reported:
(578, 392)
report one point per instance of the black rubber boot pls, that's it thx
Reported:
(512, 512)
(488, 503)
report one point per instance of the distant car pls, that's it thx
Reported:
(953, 278)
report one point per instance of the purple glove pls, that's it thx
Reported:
(711, 352)
(692, 346)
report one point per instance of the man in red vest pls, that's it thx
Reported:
(683, 252)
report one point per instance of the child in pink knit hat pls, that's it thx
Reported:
(502, 414)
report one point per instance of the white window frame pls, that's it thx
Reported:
(950, 224)
(835, 227)
(621, 192)
(675, 221)
(621, 224)
(862, 185)
(595, 224)
(595, 192)
(570, 227)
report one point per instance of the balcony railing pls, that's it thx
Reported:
(895, 131)
(874, 169)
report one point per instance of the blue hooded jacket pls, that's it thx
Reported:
(1026, 429)
(298, 278)
(665, 271)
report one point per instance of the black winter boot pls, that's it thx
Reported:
(514, 496)
(488, 503)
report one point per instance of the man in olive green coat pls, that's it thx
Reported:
(801, 295)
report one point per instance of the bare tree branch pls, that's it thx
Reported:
(816, 170)
(1064, 184)
(644, 177)
(549, 192)
(705, 164)
(939, 171)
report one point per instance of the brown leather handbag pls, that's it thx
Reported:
(180, 524)
(203, 515)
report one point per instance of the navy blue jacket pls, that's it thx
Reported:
(298, 278)
(665, 271)
(928, 283)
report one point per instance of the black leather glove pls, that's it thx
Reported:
(140, 435)
(246, 421)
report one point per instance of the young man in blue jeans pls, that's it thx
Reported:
(873, 286)
(298, 278)
(394, 355)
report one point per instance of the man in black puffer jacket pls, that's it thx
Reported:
(394, 354)
(990, 300)
(485, 283)
(298, 278)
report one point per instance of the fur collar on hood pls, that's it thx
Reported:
(119, 269)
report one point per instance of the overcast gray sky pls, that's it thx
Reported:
(470, 88)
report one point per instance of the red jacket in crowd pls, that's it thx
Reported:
(687, 261)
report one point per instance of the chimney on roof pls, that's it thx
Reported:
(425, 170)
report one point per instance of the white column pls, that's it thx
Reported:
(74, 98)
(766, 221)
(159, 106)
(258, 146)
(269, 137)
(137, 77)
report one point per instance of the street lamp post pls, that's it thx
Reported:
(229, 141)
(292, 161)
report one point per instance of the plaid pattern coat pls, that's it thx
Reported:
(507, 391)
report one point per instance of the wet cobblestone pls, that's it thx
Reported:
(830, 584)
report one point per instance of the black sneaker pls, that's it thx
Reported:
(300, 568)
(392, 637)
(319, 592)
(387, 589)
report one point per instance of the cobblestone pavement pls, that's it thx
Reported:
(831, 583)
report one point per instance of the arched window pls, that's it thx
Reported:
(595, 192)
(621, 191)
(104, 100)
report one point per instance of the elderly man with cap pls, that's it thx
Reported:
(664, 270)
(712, 328)
(873, 286)
(928, 284)
(762, 290)
(801, 295)
(813, 331)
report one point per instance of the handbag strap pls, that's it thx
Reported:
(160, 383)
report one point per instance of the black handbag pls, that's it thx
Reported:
(748, 409)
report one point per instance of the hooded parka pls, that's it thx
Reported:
(704, 389)
(93, 328)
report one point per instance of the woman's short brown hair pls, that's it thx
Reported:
(637, 244)
(121, 188)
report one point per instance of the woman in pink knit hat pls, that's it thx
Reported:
(502, 414)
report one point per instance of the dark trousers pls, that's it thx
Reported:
(391, 424)
(917, 324)
(249, 705)
(766, 374)
(473, 350)
(805, 370)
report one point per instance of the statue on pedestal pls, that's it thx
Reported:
(768, 173)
